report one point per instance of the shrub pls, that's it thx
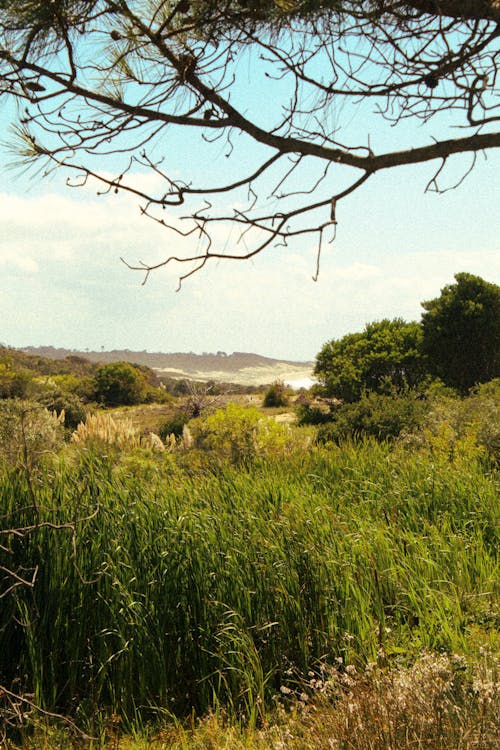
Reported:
(461, 332)
(238, 433)
(27, 431)
(174, 425)
(385, 356)
(377, 415)
(483, 406)
(120, 384)
(455, 427)
(67, 404)
(310, 414)
(276, 395)
(82, 386)
(14, 384)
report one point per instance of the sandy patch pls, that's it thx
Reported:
(299, 376)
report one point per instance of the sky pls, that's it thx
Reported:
(62, 282)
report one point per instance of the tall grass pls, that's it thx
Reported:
(190, 589)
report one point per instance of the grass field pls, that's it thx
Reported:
(187, 587)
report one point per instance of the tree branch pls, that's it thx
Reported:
(487, 10)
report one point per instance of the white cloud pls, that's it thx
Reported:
(23, 262)
(62, 282)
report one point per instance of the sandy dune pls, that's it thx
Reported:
(296, 376)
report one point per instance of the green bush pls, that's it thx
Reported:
(461, 332)
(483, 407)
(68, 404)
(382, 416)
(453, 425)
(276, 395)
(383, 357)
(309, 414)
(174, 425)
(14, 383)
(82, 386)
(239, 433)
(120, 384)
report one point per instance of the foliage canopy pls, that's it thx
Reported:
(386, 355)
(458, 341)
(119, 383)
(461, 332)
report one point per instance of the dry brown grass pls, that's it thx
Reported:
(146, 418)
(101, 427)
(439, 703)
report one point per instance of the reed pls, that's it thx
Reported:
(190, 589)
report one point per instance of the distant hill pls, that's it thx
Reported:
(238, 367)
(33, 360)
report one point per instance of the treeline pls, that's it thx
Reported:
(72, 385)
(457, 342)
(395, 377)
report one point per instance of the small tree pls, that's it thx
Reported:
(119, 383)
(461, 332)
(385, 356)
(276, 395)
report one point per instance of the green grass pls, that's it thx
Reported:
(192, 588)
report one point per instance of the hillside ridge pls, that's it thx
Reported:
(186, 361)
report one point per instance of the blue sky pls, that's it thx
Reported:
(62, 281)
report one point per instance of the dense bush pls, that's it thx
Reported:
(15, 383)
(452, 425)
(461, 332)
(378, 415)
(174, 425)
(68, 404)
(276, 395)
(386, 355)
(457, 341)
(311, 414)
(120, 384)
(239, 433)
(82, 386)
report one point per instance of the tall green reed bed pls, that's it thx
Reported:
(182, 589)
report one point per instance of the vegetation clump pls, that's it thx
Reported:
(385, 356)
(28, 431)
(276, 395)
(384, 416)
(102, 428)
(119, 383)
(461, 332)
(243, 577)
(239, 433)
